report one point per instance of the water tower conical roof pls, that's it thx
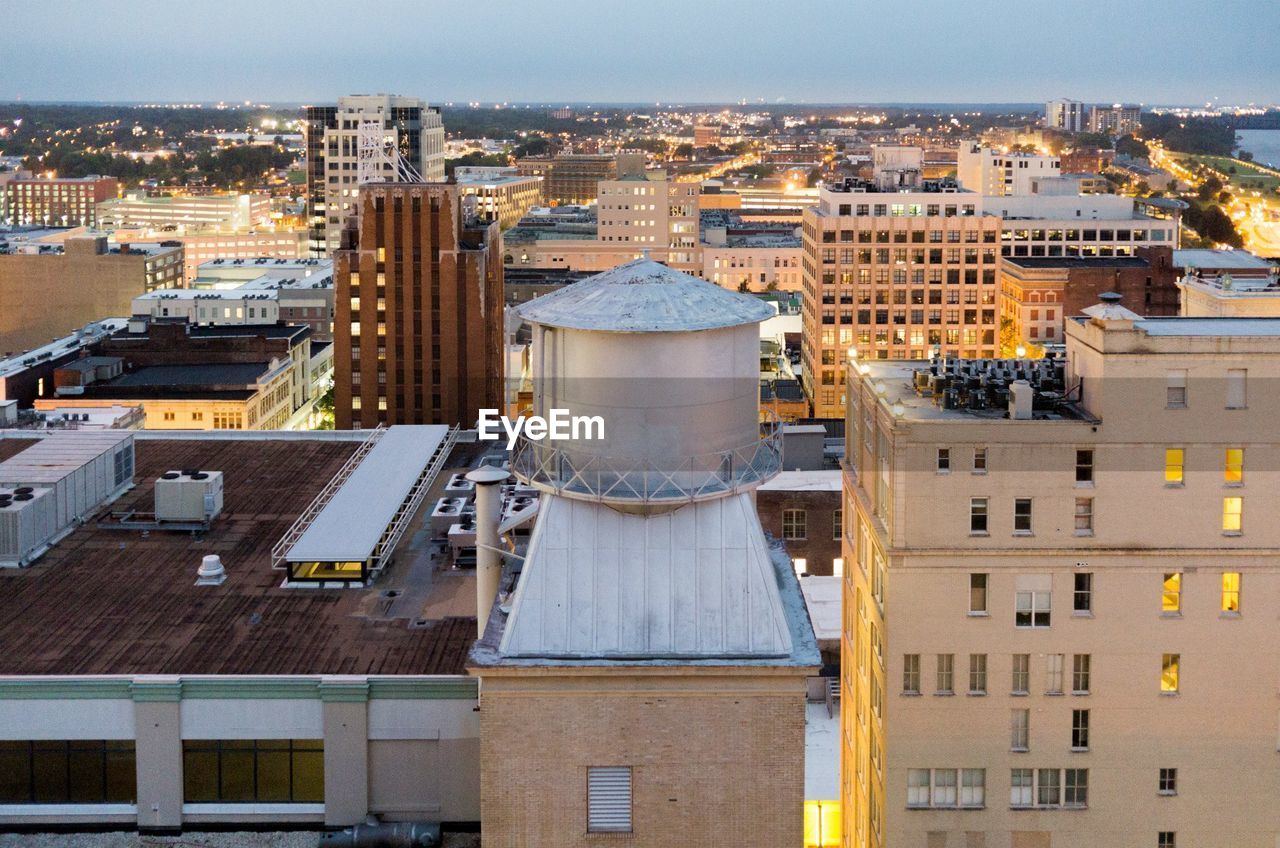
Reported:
(644, 296)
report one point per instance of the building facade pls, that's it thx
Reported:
(234, 212)
(411, 128)
(570, 179)
(1046, 610)
(895, 275)
(504, 199)
(1069, 115)
(1116, 119)
(57, 202)
(651, 212)
(992, 171)
(419, 300)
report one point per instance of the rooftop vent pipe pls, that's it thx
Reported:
(211, 572)
(488, 555)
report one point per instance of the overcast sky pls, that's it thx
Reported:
(1150, 51)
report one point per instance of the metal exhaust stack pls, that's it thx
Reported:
(488, 555)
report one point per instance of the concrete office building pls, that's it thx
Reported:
(1069, 115)
(755, 254)
(1116, 119)
(418, 330)
(651, 212)
(412, 129)
(47, 291)
(222, 212)
(572, 178)
(896, 275)
(992, 171)
(233, 698)
(1083, 225)
(504, 199)
(655, 641)
(1054, 612)
(27, 200)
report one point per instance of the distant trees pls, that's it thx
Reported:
(1130, 146)
(1190, 135)
(474, 158)
(1212, 224)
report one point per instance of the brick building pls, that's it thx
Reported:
(802, 508)
(36, 201)
(418, 329)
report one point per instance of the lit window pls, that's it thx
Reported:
(1171, 596)
(801, 565)
(1169, 672)
(1231, 591)
(1173, 465)
(1233, 468)
(1232, 514)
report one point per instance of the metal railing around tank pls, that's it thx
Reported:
(576, 472)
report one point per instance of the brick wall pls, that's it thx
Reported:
(819, 547)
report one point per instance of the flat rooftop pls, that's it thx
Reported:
(1189, 326)
(1077, 262)
(1216, 259)
(192, 376)
(110, 601)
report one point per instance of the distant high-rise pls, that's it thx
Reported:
(1066, 115)
(1116, 119)
(412, 129)
(418, 329)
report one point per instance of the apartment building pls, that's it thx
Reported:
(895, 275)
(412, 130)
(1117, 119)
(27, 200)
(48, 291)
(651, 212)
(1069, 115)
(419, 302)
(994, 171)
(750, 253)
(1060, 592)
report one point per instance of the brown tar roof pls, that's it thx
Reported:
(117, 602)
(12, 447)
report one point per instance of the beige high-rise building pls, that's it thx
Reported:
(651, 212)
(1059, 624)
(896, 275)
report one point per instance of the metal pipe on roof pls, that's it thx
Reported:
(488, 554)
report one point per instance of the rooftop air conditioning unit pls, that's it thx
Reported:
(192, 495)
(459, 483)
(448, 511)
(28, 520)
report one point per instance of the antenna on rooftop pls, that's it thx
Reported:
(376, 150)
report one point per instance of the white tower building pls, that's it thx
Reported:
(648, 579)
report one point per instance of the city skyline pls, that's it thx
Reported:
(714, 52)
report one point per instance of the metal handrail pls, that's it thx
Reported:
(574, 472)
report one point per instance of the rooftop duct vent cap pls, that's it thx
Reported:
(211, 572)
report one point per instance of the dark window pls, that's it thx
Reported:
(251, 770)
(68, 772)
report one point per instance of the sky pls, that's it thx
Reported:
(575, 51)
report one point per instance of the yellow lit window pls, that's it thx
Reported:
(1232, 512)
(1169, 672)
(355, 328)
(1171, 596)
(1233, 471)
(1231, 591)
(355, 304)
(382, 254)
(1173, 460)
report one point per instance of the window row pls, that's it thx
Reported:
(1020, 730)
(1033, 596)
(1174, 464)
(1020, 680)
(949, 788)
(68, 772)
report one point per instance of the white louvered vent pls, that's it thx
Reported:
(609, 799)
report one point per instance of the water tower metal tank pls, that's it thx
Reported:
(670, 364)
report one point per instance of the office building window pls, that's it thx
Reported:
(979, 460)
(1079, 730)
(253, 770)
(978, 516)
(944, 460)
(609, 799)
(1032, 608)
(1075, 788)
(977, 674)
(1084, 517)
(1176, 390)
(1082, 596)
(794, 525)
(978, 593)
(1236, 381)
(1022, 516)
(946, 667)
(1019, 730)
(79, 771)
(1084, 466)
(1021, 682)
(1232, 515)
(1053, 674)
(1167, 839)
(1174, 460)
(1169, 672)
(1231, 591)
(1080, 664)
(1171, 593)
(1233, 467)
(911, 674)
(1168, 784)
